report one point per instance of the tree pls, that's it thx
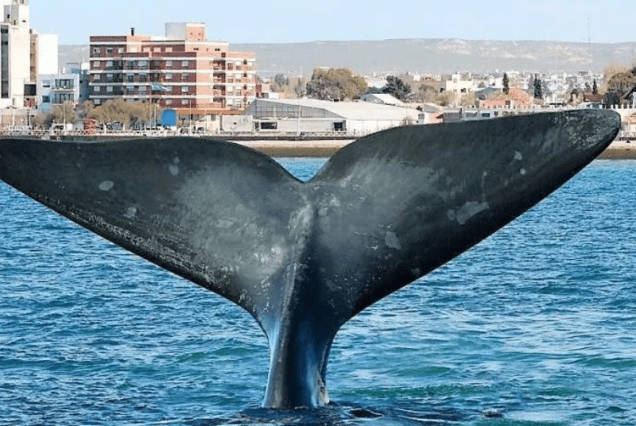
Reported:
(397, 88)
(84, 109)
(121, 111)
(446, 98)
(468, 99)
(594, 88)
(538, 89)
(374, 90)
(64, 113)
(425, 93)
(618, 86)
(506, 84)
(532, 82)
(335, 84)
(279, 83)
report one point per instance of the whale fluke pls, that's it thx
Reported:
(304, 258)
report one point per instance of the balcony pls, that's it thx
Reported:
(64, 86)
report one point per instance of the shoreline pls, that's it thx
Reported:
(618, 150)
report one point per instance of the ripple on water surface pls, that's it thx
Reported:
(533, 326)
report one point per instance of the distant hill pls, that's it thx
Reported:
(438, 56)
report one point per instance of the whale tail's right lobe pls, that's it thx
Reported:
(304, 258)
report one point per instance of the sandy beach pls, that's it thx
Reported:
(618, 150)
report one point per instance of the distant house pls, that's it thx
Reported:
(456, 83)
(56, 89)
(382, 98)
(486, 93)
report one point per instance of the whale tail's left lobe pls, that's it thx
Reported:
(304, 258)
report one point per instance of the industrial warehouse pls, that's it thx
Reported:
(317, 116)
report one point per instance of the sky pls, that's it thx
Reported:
(293, 21)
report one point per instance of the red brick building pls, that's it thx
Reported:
(181, 70)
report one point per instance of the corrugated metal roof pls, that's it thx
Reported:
(353, 110)
(384, 98)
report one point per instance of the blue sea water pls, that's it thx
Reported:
(534, 326)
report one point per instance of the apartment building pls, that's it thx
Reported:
(24, 54)
(56, 89)
(181, 70)
(15, 44)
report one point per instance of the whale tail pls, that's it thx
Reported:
(304, 258)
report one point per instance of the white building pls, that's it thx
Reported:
(55, 89)
(15, 48)
(312, 115)
(456, 83)
(44, 53)
(24, 54)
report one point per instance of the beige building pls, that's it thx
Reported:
(181, 70)
(455, 83)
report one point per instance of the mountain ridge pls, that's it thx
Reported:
(422, 55)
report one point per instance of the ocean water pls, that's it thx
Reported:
(534, 326)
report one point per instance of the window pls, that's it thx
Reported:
(185, 64)
(109, 64)
(168, 63)
(96, 64)
(168, 76)
(130, 89)
(185, 76)
(130, 78)
(109, 77)
(46, 99)
(46, 83)
(97, 77)
(96, 50)
(168, 101)
(64, 84)
(120, 50)
(97, 89)
(185, 89)
(168, 49)
(109, 50)
(109, 89)
(97, 101)
(143, 78)
(143, 89)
